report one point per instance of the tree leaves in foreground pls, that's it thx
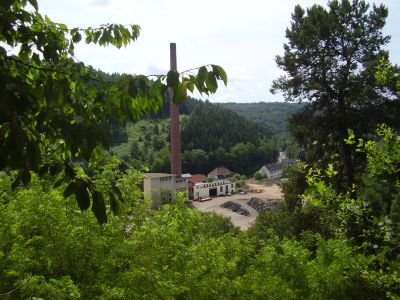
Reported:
(51, 249)
(54, 110)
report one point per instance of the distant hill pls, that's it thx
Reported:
(272, 115)
(211, 136)
(211, 126)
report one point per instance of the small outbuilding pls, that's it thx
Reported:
(220, 173)
(274, 171)
(271, 171)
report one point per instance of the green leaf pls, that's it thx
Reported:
(58, 183)
(36, 58)
(76, 38)
(34, 4)
(70, 189)
(178, 94)
(15, 183)
(25, 176)
(185, 83)
(190, 86)
(117, 192)
(211, 82)
(82, 196)
(69, 170)
(55, 169)
(202, 75)
(24, 53)
(172, 78)
(43, 170)
(99, 207)
(113, 203)
(220, 73)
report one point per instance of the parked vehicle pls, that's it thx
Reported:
(201, 199)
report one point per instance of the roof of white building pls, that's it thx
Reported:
(159, 175)
(274, 167)
(221, 171)
(213, 183)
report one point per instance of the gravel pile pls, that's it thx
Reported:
(235, 207)
(262, 205)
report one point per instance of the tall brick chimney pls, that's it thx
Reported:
(174, 113)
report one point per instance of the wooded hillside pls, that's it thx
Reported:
(273, 115)
(211, 136)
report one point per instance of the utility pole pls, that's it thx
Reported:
(174, 114)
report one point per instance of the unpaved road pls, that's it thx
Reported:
(244, 222)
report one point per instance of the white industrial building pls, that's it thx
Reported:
(155, 183)
(212, 189)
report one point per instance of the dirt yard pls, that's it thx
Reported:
(244, 222)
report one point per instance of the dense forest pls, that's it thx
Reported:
(210, 136)
(75, 225)
(273, 115)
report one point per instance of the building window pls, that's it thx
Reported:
(221, 188)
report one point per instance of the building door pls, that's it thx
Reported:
(213, 192)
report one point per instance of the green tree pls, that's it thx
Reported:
(162, 161)
(330, 61)
(53, 110)
(196, 161)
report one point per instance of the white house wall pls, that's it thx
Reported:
(202, 190)
(153, 186)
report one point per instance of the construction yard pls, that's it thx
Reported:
(236, 206)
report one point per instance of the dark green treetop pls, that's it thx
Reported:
(330, 62)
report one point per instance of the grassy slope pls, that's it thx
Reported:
(140, 132)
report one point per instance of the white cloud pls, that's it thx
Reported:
(100, 2)
(241, 36)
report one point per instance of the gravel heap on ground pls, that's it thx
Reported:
(236, 207)
(262, 205)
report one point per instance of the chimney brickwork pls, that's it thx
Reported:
(175, 132)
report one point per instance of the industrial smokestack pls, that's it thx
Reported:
(174, 114)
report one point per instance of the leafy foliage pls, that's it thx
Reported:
(54, 110)
(335, 246)
(330, 61)
(54, 249)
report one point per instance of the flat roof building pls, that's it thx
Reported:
(212, 189)
(163, 187)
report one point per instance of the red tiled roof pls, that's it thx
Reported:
(198, 178)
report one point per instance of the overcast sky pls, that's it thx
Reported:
(242, 36)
